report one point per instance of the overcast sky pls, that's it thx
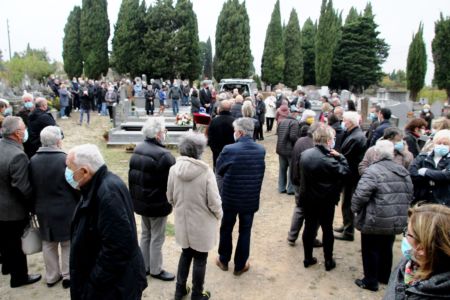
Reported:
(41, 22)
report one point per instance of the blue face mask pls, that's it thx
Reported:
(406, 249)
(333, 144)
(441, 150)
(25, 136)
(373, 116)
(28, 105)
(399, 146)
(343, 126)
(8, 112)
(69, 178)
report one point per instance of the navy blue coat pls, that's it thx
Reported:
(240, 172)
(379, 132)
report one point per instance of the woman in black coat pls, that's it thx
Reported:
(413, 130)
(54, 202)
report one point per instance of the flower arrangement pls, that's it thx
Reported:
(183, 119)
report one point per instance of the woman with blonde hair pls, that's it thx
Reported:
(424, 272)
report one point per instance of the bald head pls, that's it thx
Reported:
(225, 105)
(239, 99)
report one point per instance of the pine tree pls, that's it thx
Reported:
(416, 68)
(127, 40)
(272, 64)
(353, 15)
(94, 33)
(326, 41)
(186, 54)
(233, 57)
(293, 68)
(309, 31)
(73, 61)
(441, 54)
(207, 62)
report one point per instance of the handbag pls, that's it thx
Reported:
(31, 238)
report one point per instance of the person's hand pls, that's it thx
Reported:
(334, 153)
(422, 171)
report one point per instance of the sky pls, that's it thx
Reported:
(41, 23)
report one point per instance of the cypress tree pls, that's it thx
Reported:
(233, 57)
(127, 40)
(353, 15)
(186, 52)
(441, 54)
(416, 67)
(326, 40)
(207, 62)
(73, 61)
(94, 33)
(272, 64)
(293, 68)
(309, 54)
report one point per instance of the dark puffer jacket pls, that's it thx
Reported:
(382, 198)
(436, 287)
(288, 132)
(240, 171)
(434, 187)
(147, 178)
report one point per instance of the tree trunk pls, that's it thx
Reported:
(448, 96)
(413, 95)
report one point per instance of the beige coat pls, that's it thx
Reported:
(192, 190)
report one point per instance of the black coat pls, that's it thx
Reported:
(38, 120)
(260, 112)
(147, 178)
(205, 97)
(340, 134)
(236, 110)
(220, 132)
(87, 102)
(302, 144)
(413, 143)
(288, 132)
(353, 148)
(379, 132)
(105, 259)
(54, 198)
(195, 104)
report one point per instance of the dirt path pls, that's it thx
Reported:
(276, 271)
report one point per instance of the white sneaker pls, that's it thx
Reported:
(64, 117)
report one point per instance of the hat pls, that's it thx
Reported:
(426, 106)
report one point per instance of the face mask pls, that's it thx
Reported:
(372, 116)
(426, 110)
(343, 126)
(441, 150)
(69, 178)
(298, 118)
(333, 144)
(28, 105)
(399, 146)
(25, 136)
(422, 131)
(8, 112)
(407, 249)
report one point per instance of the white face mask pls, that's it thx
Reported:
(236, 137)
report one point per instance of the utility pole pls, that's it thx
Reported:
(9, 39)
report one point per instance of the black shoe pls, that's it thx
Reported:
(54, 283)
(221, 265)
(339, 229)
(344, 236)
(204, 296)
(164, 276)
(291, 193)
(363, 285)
(317, 244)
(30, 279)
(309, 262)
(283, 192)
(180, 292)
(66, 283)
(330, 265)
(291, 243)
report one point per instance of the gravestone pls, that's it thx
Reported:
(436, 109)
(400, 111)
(324, 91)
(345, 96)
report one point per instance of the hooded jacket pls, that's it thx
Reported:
(192, 190)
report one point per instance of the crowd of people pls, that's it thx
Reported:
(389, 181)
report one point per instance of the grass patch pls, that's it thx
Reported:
(170, 229)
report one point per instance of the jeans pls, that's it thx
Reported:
(152, 239)
(198, 272)
(62, 111)
(376, 253)
(185, 100)
(103, 109)
(88, 113)
(284, 175)
(175, 106)
(242, 251)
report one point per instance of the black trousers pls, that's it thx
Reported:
(376, 253)
(110, 111)
(198, 272)
(269, 123)
(14, 261)
(347, 214)
(322, 215)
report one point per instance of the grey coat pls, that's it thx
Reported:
(54, 198)
(381, 199)
(15, 188)
(436, 287)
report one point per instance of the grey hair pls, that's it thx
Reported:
(87, 155)
(152, 127)
(50, 136)
(353, 117)
(247, 109)
(442, 134)
(384, 149)
(223, 96)
(245, 125)
(40, 101)
(192, 144)
(10, 125)
(323, 134)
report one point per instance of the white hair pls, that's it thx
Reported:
(27, 96)
(384, 149)
(223, 96)
(40, 101)
(247, 109)
(87, 155)
(442, 134)
(246, 125)
(192, 144)
(152, 127)
(353, 117)
(50, 136)
(10, 125)
(307, 113)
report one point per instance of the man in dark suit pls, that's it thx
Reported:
(205, 97)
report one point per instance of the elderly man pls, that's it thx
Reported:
(288, 133)
(353, 148)
(240, 171)
(105, 261)
(27, 108)
(236, 108)
(54, 204)
(38, 120)
(220, 131)
(147, 180)
(15, 191)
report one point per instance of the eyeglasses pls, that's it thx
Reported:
(406, 233)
